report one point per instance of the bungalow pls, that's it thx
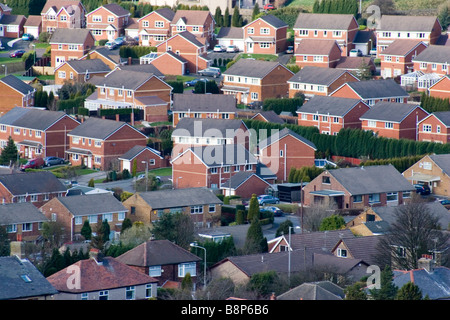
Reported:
(108, 21)
(144, 157)
(434, 59)
(397, 58)
(393, 120)
(15, 93)
(353, 188)
(154, 28)
(435, 127)
(12, 26)
(80, 71)
(265, 35)
(317, 53)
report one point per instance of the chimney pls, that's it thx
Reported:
(426, 262)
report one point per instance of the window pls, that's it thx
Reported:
(159, 24)
(154, 271)
(129, 93)
(121, 216)
(196, 209)
(371, 123)
(110, 18)
(315, 117)
(96, 18)
(335, 119)
(195, 29)
(387, 58)
(264, 31)
(426, 128)
(226, 169)
(342, 253)
(254, 95)
(249, 167)
(264, 45)
(27, 227)
(130, 293)
(184, 268)
(63, 18)
(318, 58)
(326, 180)
(93, 219)
(388, 125)
(406, 194)
(375, 197)
(85, 296)
(438, 129)
(3, 128)
(357, 198)
(11, 228)
(302, 32)
(181, 28)
(97, 143)
(250, 30)
(423, 65)
(392, 196)
(78, 220)
(148, 291)
(213, 170)
(34, 198)
(337, 33)
(103, 295)
(61, 74)
(107, 217)
(98, 159)
(236, 169)
(145, 24)
(73, 47)
(281, 153)
(386, 34)
(324, 118)
(212, 208)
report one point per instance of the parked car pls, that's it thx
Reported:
(266, 199)
(111, 45)
(268, 6)
(210, 72)
(17, 53)
(290, 49)
(219, 48)
(119, 41)
(373, 52)
(27, 37)
(192, 82)
(277, 212)
(33, 164)
(422, 189)
(232, 48)
(51, 161)
(355, 53)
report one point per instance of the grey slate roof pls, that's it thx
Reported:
(322, 240)
(230, 33)
(281, 134)
(133, 152)
(239, 178)
(73, 36)
(438, 54)
(334, 106)
(147, 68)
(371, 179)
(225, 154)
(204, 103)
(84, 205)
(323, 21)
(128, 80)
(15, 213)
(443, 161)
(271, 116)
(166, 13)
(13, 286)
(444, 116)
(17, 84)
(11, 19)
(317, 75)
(363, 248)
(116, 9)
(105, 52)
(209, 127)
(31, 183)
(406, 23)
(389, 111)
(252, 68)
(363, 36)
(322, 290)
(274, 21)
(88, 65)
(373, 89)
(96, 128)
(190, 37)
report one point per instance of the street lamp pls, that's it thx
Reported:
(194, 245)
(289, 253)
(6, 69)
(34, 55)
(146, 175)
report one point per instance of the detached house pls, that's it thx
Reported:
(15, 93)
(37, 133)
(99, 143)
(198, 22)
(394, 120)
(434, 59)
(341, 28)
(108, 21)
(63, 14)
(154, 28)
(256, 80)
(435, 127)
(397, 58)
(317, 53)
(265, 35)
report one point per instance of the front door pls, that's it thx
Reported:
(250, 47)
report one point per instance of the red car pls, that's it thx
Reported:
(17, 54)
(269, 6)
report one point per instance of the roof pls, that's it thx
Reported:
(151, 101)
(157, 253)
(31, 118)
(270, 116)
(136, 150)
(190, 37)
(322, 290)
(17, 84)
(362, 248)
(442, 161)
(84, 205)
(166, 13)
(317, 75)
(33, 21)
(105, 52)
(15, 213)
(273, 21)
(438, 54)
(116, 9)
(333, 106)
(88, 66)
(323, 21)
(204, 103)
(207, 127)
(191, 17)
(371, 179)
(230, 33)
(108, 274)
(31, 183)
(128, 80)
(364, 36)
(73, 36)
(58, 4)
(284, 133)
(354, 63)
(11, 19)
(146, 68)
(406, 23)
(374, 89)
(316, 47)
(97, 128)
(239, 178)
(389, 111)
(401, 47)
(322, 240)
(252, 68)
(20, 279)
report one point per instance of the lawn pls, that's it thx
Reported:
(267, 57)
(162, 171)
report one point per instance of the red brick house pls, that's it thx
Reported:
(317, 53)
(15, 93)
(331, 114)
(63, 14)
(256, 80)
(37, 133)
(198, 22)
(154, 28)
(285, 150)
(12, 26)
(393, 120)
(441, 89)
(435, 127)
(98, 143)
(342, 28)
(70, 44)
(397, 58)
(434, 59)
(244, 184)
(312, 81)
(108, 21)
(145, 158)
(80, 71)
(265, 35)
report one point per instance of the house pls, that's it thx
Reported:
(393, 27)
(434, 59)
(285, 150)
(70, 44)
(432, 170)
(35, 187)
(162, 260)
(331, 114)
(169, 63)
(112, 60)
(98, 143)
(265, 35)
(145, 158)
(317, 53)
(358, 187)
(244, 184)
(268, 116)
(36, 132)
(107, 21)
(80, 71)
(313, 80)
(397, 58)
(71, 212)
(131, 90)
(15, 93)
(63, 14)
(441, 88)
(209, 166)
(342, 28)
(200, 204)
(200, 23)
(372, 91)
(33, 26)
(22, 221)
(255, 80)
(231, 36)
(203, 106)
(188, 47)
(154, 28)
(102, 278)
(320, 290)
(12, 26)
(360, 248)
(393, 120)
(435, 127)
(21, 280)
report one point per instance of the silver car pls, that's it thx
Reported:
(210, 72)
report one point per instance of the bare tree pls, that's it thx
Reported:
(313, 215)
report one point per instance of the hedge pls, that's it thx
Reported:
(135, 52)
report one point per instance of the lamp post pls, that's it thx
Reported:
(194, 245)
(6, 69)
(289, 253)
(34, 55)
(146, 175)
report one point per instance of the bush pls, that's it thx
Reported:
(102, 42)
(135, 52)
(44, 37)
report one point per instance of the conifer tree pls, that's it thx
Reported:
(9, 153)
